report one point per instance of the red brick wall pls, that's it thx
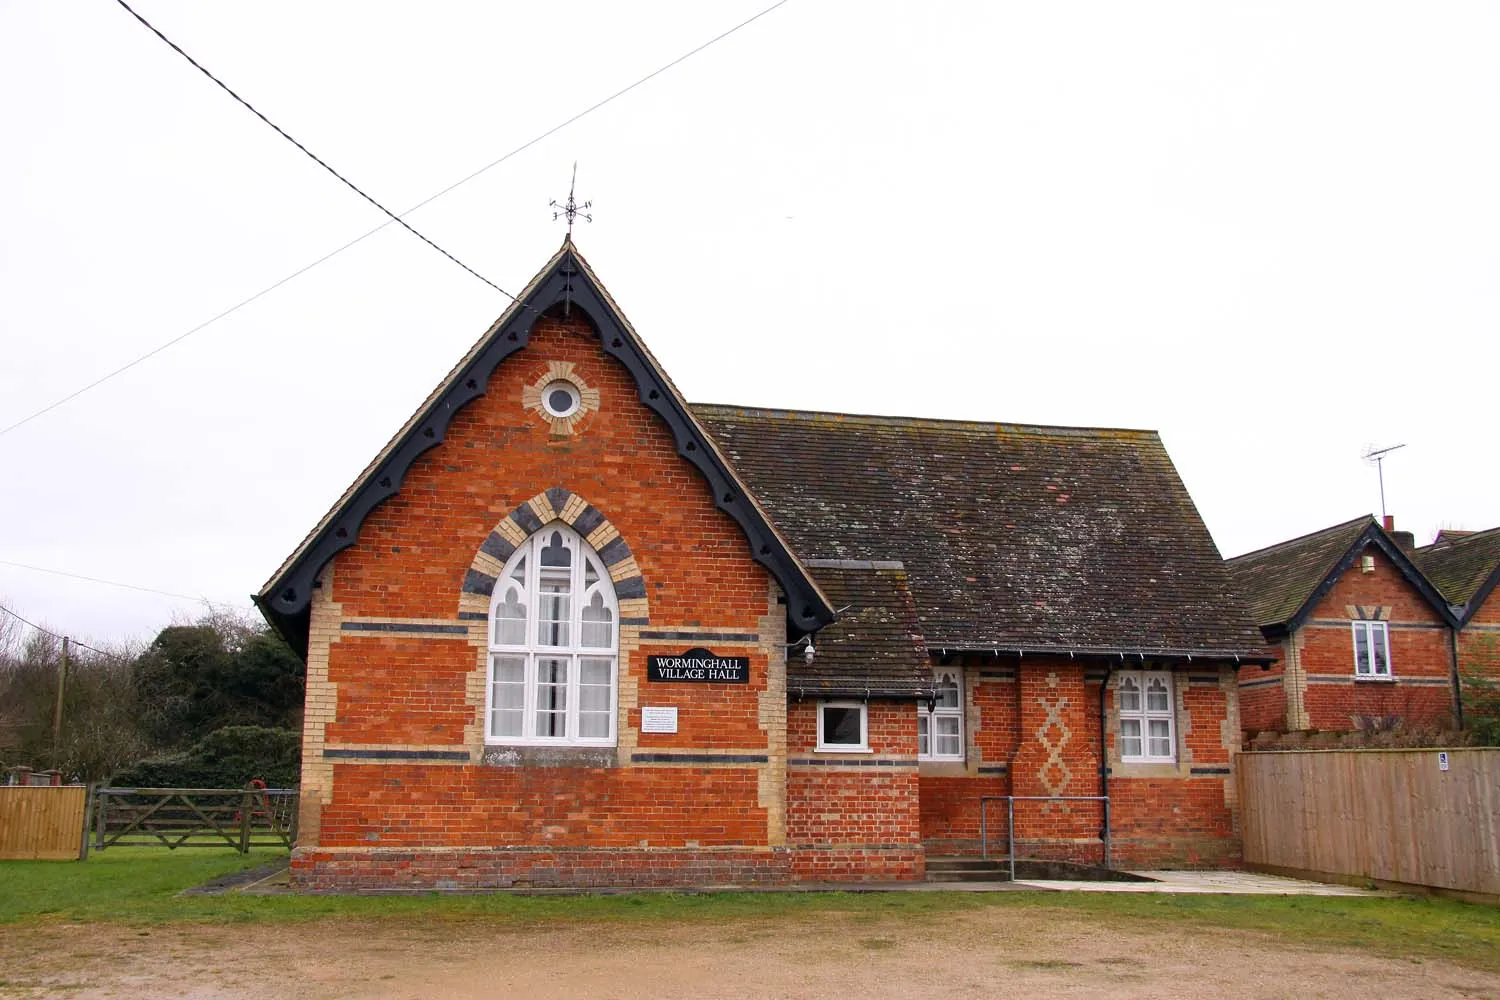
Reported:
(415, 696)
(411, 806)
(850, 816)
(1479, 642)
(1262, 705)
(1419, 651)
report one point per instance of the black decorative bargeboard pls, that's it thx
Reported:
(699, 666)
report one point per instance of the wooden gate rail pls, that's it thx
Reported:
(241, 818)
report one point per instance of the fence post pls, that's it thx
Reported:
(984, 836)
(1010, 832)
(88, 814)
(245, 806)
(101, 822)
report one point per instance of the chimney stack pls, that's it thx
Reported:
(1405, 540)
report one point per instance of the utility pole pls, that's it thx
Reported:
(62, 680)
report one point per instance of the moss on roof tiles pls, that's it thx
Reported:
(1012, 536)
(1459, 564)
(875, 645)
(1276, 581)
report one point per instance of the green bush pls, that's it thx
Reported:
(225, 758)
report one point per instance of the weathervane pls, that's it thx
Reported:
(571, 210)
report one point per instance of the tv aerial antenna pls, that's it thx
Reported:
(1377, 455)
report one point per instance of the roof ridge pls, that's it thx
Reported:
(1370, 518)
(904, 421)
(1482, 533)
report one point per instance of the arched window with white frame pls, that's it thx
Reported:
(553, 646)
(940, 721)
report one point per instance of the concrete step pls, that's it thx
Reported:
(972, 875)
(951, 864)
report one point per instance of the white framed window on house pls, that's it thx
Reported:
(1148, 722)
(553, 646)
(940, 722)
(1372, 649)
(843, 726)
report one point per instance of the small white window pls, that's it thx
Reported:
(1372, 649)
(561, 399)
(1145, 702)
(940, 722)
(843, 726)
(553, 642)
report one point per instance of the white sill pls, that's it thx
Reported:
(1148, 760)
(940, 760)
(1375, 678)
(562, 744)
(841, 749)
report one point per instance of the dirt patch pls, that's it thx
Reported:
(969, 954)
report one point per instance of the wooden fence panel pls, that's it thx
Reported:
(38, 823)
(1382, 814)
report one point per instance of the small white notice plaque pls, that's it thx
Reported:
(664, 720)
(1442, 760)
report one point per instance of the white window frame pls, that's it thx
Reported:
(864, 728)
(573, 651)
(1146, 715)
(927, 716)
(1371, 629)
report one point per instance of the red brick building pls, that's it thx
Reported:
(1362, 636)
(1465, 567)
(566, 629)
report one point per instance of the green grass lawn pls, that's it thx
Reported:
(141, 886)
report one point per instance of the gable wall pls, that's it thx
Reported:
(1479, 640)
(1420, 692)
(398, 785)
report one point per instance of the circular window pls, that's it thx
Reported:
(560, 399)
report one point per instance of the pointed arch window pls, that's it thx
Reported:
(553, 651)
(1147, 718)
(940, 722)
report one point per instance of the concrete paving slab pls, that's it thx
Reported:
(1230, 883)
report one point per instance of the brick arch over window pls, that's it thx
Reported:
(557, 504)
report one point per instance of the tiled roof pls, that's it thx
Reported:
(874, 647)
(1013, 537)
(1277, 581)
(1459, 564)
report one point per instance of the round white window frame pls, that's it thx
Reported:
(561, 385)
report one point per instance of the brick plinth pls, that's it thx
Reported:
(475, 868)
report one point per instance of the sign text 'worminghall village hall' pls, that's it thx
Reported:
(568, 629)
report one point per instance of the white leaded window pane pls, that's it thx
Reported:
(1157, 698)
(842, 725)
(551, 696)
(553, 612)
(556, 553)
(922, 738)
(598, 624)
(1130, 737)
(947, 691)
(1379, 639)
(1158, 738)
(510, 620)
(508, 696)
(1361, 649)
(949, 736)
(1130, 695)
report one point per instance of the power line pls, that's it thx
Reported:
(48, 631)
(421, 204)
(115, 583)
(310, 154)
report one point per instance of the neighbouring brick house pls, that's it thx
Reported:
(566, 629)
(1465, 567)
(1361, 634)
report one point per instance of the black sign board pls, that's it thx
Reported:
(699, 666)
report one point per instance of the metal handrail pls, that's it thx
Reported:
(1010, 822)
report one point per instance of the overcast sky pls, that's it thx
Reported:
(1269, 231)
